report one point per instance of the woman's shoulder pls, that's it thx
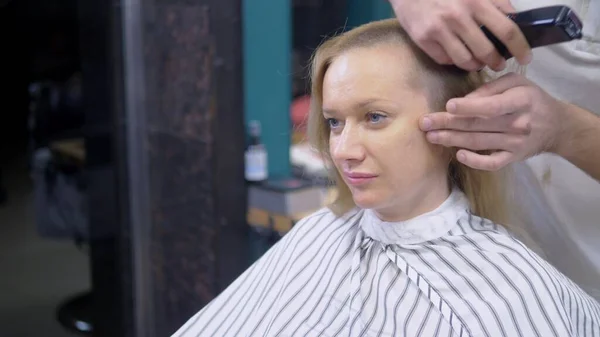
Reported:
(509, 253)
(511, 272)
(514, 252)
(486, 235)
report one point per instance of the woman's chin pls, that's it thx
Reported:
(366, 200)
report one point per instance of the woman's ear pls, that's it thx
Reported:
(450, 155)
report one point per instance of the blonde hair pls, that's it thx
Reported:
(484, 190)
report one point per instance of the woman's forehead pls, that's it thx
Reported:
(390, 62)
(363, 74)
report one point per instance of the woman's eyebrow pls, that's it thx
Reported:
(356, 106)
(367, 102)
(329, 112)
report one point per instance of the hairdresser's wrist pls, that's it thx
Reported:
(578, 139)
(571, 120)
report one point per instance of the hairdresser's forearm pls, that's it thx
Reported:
(579, 141)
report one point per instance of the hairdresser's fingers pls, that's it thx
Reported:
(519, 124)
(504, 29)
(499, 85)
(504, 5)
(509, 102)
(491, 162)
(458, 52)
(435, 51)
(476, 141)
(481, 47)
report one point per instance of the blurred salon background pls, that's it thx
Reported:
(150, 152)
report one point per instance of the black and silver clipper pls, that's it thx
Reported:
(542, 27)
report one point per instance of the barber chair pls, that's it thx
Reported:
(57, 170)
(60, 205)
(75, 313)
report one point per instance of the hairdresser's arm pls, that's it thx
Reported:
(449, 31)
(580, 141)
(516, 119)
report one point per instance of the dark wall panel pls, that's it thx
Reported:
(173, 229)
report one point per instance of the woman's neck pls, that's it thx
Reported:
(424, 199)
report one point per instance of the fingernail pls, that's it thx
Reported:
(426, 123)
(432, 137)
(451, 106)
(461, 157)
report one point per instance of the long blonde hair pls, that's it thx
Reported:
(485, 190)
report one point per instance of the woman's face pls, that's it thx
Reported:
(373, 110)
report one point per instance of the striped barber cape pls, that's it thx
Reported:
(444, 273)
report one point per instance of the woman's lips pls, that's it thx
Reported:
(357, 178)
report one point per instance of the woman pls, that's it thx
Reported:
(412, 245)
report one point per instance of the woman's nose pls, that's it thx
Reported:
(348, 145)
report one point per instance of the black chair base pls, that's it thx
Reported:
(75, 314)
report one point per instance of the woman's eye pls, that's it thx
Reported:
(333, 123)
(375, 117)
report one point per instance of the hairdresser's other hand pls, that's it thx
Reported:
(510, 116)
(449, 31)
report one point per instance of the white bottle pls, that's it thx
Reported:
(256, 163)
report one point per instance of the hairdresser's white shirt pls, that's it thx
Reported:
(571, 72)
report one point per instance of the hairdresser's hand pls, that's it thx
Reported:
(510, 116)
(449, 31)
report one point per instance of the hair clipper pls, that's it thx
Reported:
(542, 27)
